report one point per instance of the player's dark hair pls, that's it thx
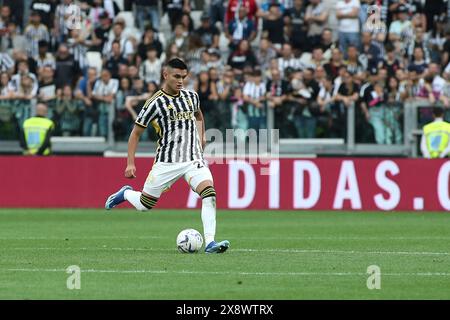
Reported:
(177, 63)
(438, 112)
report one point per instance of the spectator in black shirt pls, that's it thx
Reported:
(67, 70)
(208, 33)
(149, 40)
(101, 33)
(116, 59)
(295, 19)
(273, 26)
(242, 56)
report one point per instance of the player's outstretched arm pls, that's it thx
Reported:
(133, 141)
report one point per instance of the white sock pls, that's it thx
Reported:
(134, 197)
(209, 218)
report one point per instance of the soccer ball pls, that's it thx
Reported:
(189, 241)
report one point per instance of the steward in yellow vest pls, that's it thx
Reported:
(37, 132)
(435, 138)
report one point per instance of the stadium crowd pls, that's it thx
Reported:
(308, 60)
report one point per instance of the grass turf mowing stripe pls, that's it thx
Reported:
(245, 250)
(420, 274)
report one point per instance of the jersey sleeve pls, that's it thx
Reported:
(148, 113)
(196, 102)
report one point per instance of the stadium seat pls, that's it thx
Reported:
(128, 17)
(94, 59)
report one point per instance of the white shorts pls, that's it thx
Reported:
(164, 174)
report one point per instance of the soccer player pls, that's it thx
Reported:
(176, 116)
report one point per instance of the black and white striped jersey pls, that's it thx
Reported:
(173, 118)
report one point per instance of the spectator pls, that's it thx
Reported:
(96, 11)
(371, 55)
(46, 9)
(126, 114)
(67, 114)
(78, 48)
(122, 121)
(5, 17)
(6, 91)
(35, 32)
(172, 51)
(242, 56)
(438, 83)
(325, 101)
(240, 28)
(251, 9)
(255, 97)
(45, 58)
(265, 54)
(297, 30)
(175, 9)
(194, 53)
(390, 62)
(126, 46)
(225, 90)
(398, 29)
(209, 34)
(336, 62)
(288, 60)
(115, 60)
(179, 39)
(7, 129)
(307, 118)
(313, 60)
(276, 95)
(239, 120)
(146, 10)
(100, 33)
(6, 63)
(207, 93)
(394, 108)
(418, 64)
(150, 69)
(435, 139)
(149, 40)
(326, 43)
(23, 70)
(346, 96)
(47, 86)
(419, 40)
(347, 12)
(316, 18)
(188, 24)
(354, 64)
(67, 70)
(37, 132)
(273, 23)
(103, 95)
(11, 40)
(217, 11)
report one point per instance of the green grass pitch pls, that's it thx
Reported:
(126, 254)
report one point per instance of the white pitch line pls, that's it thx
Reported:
(369, 238)
(280, 250)
(344, 251)
(420, 274)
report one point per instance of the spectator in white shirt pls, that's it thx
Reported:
(347, 12)
(103, 95)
